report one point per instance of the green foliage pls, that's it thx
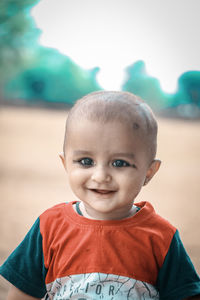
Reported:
(34, 73)
(184, 103)
(17, 33)
(31, 72)
(148, 88)
(188, 89)
(52, 77)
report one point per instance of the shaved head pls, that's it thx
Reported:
(124, 107)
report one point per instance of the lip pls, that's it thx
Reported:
(103, 192)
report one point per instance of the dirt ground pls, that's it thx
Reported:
(33, 179)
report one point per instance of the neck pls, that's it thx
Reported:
(101, 216)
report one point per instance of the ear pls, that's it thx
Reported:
(153, 169)
(62, 157)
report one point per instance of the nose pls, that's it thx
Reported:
(101, 174)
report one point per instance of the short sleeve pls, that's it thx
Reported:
(177, 278)
(24, 268)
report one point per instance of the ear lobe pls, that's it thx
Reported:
(62, 157)
(153, 169)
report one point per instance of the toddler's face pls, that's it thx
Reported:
(107, 165)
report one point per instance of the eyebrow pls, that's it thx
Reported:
(118, 154)
(124, 154)
(82, 152)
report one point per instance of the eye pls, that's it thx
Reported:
(120, 163)
(86, 162)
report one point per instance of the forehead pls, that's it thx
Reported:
(106, 138)
(107, 106)
(135, 116)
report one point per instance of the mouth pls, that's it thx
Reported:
(102, 192)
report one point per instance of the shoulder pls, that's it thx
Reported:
(178, 272)
(150, 218)
(54, 217)
(156, 230)
(54, 210)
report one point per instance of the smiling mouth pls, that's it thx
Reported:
(103, 192)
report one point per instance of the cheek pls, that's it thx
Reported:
(75, 182)
(132, 184)
(77, 177)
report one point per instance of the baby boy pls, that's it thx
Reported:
(104, 245)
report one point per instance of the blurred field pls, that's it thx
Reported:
(33, 179)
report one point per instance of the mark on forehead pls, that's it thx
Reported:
(136, 125)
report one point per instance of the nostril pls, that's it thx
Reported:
(101, 177)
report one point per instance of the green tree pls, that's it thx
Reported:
(52, 77)
(17, 36)
(188, 89)
(145, 86)
(32, 72)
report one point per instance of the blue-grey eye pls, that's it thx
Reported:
(86, 161)
(120, 163)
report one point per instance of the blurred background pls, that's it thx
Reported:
(54, 52)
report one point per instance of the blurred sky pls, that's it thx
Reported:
(113, 34)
